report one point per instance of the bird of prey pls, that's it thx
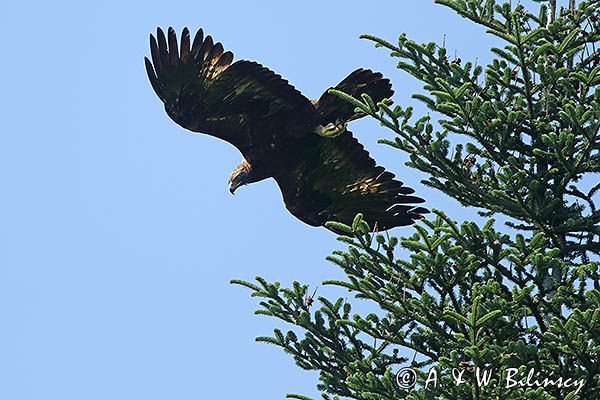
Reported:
(323, 172)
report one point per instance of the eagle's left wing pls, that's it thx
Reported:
(339, 180)
(204, 92)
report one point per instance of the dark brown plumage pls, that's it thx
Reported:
(280, 133)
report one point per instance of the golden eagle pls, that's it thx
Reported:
(323, 172)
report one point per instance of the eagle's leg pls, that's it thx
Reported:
(332, 129)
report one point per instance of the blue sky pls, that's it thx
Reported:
(118, 236)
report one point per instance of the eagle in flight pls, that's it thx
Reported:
(323, 172)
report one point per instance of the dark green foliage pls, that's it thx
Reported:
(464, 295)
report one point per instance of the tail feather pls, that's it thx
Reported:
(360, 81)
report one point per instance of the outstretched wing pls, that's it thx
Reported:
(358, 82)
(340, 180)
(204, 92)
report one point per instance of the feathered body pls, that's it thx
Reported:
(280, 133)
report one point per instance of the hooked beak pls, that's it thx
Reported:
(232, 187)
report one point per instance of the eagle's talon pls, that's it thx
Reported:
(332, 129)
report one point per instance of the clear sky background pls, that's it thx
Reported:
(118, 236)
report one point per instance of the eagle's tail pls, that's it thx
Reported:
(333, 108)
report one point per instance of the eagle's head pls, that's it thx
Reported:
(240, 176)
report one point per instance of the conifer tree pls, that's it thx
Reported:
(518, 139)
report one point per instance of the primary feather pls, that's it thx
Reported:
(273, 125)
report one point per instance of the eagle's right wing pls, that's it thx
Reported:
(339, 179)
(204, 92)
